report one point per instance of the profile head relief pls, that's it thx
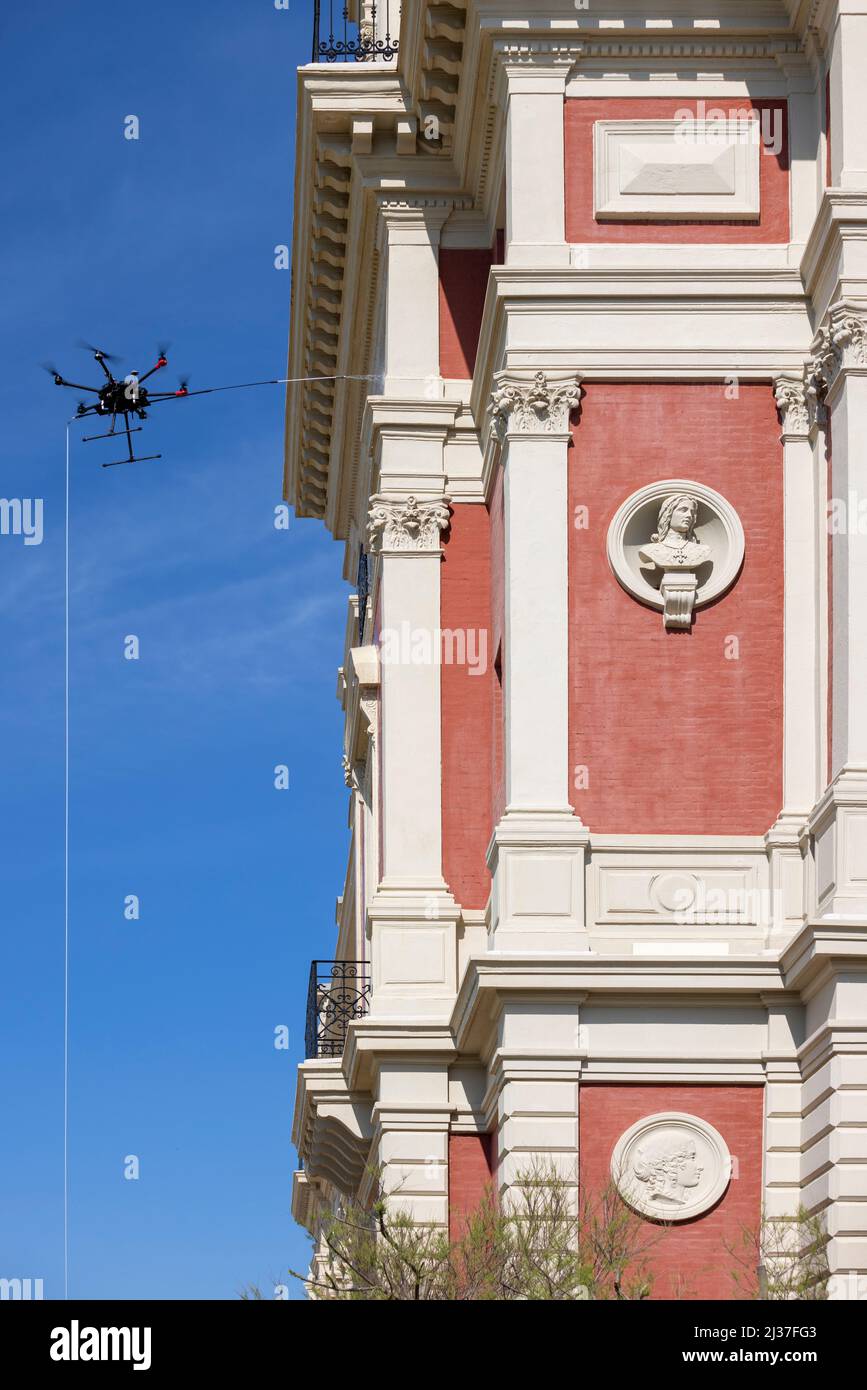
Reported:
(667, 1168)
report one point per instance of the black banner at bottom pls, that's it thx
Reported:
(157, 1339)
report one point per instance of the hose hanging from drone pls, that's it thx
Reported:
(242, 386)
(160, 397)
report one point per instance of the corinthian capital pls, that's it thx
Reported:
(839, 346)
(790, 394)
(533, 407)
(409, 525)
(847, 326)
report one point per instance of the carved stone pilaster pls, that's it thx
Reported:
(790, 394)
(533, 407)
(406, 525)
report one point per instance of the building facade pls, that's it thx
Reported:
(580, 297)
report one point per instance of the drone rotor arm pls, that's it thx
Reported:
(158, 366)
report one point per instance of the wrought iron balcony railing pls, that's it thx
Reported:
(372, 34)
(339, 992)
(363, 587)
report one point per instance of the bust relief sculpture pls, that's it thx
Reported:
(673, 544)
(676, 545)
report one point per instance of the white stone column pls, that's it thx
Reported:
(834, 1136)
(848, 45)
(409, 236)
(837, 372)
(535, 1072)
(783, 1107)
(412, 915)
(533, 92)
(411, 1118)
(537, 855)
(802, 722)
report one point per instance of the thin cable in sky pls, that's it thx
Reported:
(272, 381)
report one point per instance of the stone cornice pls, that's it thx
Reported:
(415, 219)
(370, 1039)
(331, 1127)
(841, 218)
(488, 980)
(822, 950)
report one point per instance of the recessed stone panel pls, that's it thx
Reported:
(677, 169)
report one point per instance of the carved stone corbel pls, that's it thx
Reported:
(350, 773)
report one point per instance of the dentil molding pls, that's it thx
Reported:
(410, 525)
(539, 406)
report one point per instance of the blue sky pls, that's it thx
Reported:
(126, 244)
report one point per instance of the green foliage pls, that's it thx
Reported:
(547, 1246)
(783, 1258)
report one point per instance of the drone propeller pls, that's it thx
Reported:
(98, 352)
(50, 368)
(183, 387)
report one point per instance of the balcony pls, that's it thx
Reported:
(339, 991)
(357, 31)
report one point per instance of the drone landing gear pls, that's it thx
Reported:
(144, 458)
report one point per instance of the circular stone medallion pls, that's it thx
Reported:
(717, 542)
(671, 1166)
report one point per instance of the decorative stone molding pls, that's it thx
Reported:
(539, 53)
(676, 545)
(428, 213)
(538, 406)
(819, 370)
(368, 707)
(839, 346)
(406, 526)
(671, 1166)
(848, 330)
(790, 393)
(657, 170)
(349, 773)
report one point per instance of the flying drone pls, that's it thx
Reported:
(124, 400)
(130, 398)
